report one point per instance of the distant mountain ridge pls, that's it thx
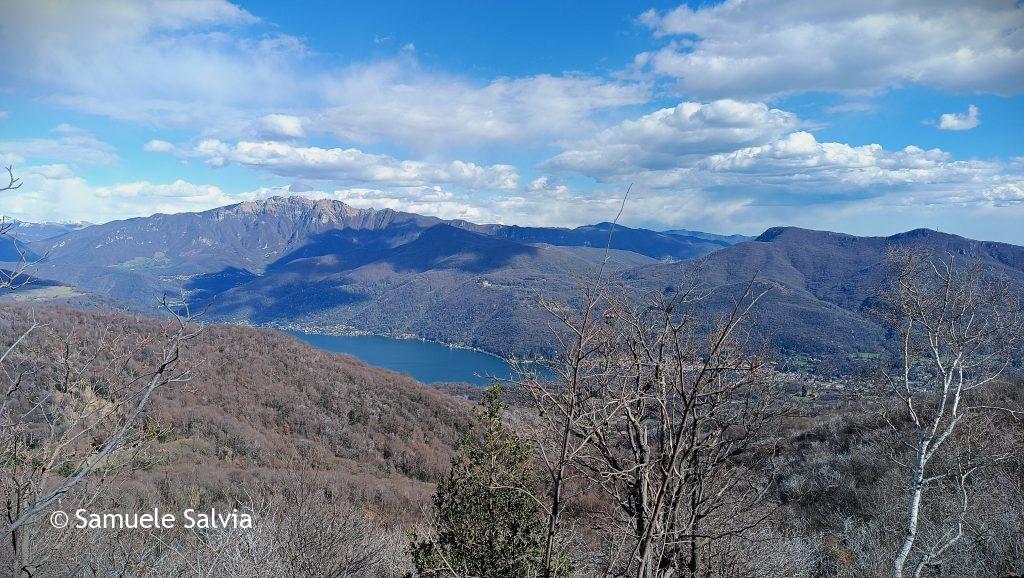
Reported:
(150, 255)
(324, 265)
(727, 239)
(821, 282)
(662, 246)
(29, 232)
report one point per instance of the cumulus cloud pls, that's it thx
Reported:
(73, 145)
(57, 192)
(959, 120)
(222, 72)
(549, 206)
(399, 102)
(353, 166)
(282, 126)
(728, 151)
(800, 171)
(760, 48)
(158, 146)
(1008, 193)
(674, 137)
(161, 63)
(740, 166)
(800, 162)
(730, 204)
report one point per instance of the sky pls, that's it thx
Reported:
(869, 118)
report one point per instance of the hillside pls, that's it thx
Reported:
(727, 239)
(260, 401)
(821, 283)
(324, 263)
(449, 285)
(661, 246)
(28, 232)
(135, 259)
(321, 264)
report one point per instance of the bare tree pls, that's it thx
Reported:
(320, 533)
(656, 407)
(74, 409)
(959, 325)
(11, 279)
(71, 411)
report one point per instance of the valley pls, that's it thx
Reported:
(449, 289)
(318, 264)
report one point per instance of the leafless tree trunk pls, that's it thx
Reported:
(72, 411)
(959, 325)
(68, 414)
(655, 407)
(11, 279)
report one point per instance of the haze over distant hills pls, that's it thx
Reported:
(727, 239)
(31, 232)
(321, 264)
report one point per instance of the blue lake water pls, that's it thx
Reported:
(425, 361)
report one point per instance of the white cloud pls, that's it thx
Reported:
(1007, 193)
(158, 146)
(215, 68)
(761, 48)
(160, 63)
(959, 120)
(544, 203)
(399, 102)
(727, 152)
(800, 155)
(354, 166)
(752, 167)
(73, 146)
(57, 192)
(556, 206)
(674, 137)
(282, 126)
(54, 192)
(800, 170)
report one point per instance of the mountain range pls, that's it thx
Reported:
(324, 265)
(822, 283)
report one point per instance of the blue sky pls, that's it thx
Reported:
(727, 117)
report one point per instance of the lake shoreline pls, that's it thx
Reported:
(425, 360)
(349, 331)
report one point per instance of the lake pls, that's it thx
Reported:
(423, 360)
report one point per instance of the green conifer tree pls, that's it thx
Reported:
(486, 522)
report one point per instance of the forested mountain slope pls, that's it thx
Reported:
(261, 402)
(323, 265)
(821, 284)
